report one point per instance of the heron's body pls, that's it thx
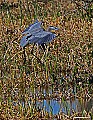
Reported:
(36, 34)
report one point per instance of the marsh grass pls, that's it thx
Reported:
(68, 62)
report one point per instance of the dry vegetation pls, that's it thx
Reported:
(69, 59)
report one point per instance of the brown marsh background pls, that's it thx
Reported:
(67, 72)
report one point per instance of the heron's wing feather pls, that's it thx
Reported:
(42, 34)
(41, 37)
(23, 41)
(46, 39)
(32, 28)
(33, 39)
(36, 31)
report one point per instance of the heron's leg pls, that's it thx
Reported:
(24, 55)
(46, 48)
(32, 49)
(37, 51)
(39, 60)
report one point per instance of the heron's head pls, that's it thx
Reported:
(50, 28)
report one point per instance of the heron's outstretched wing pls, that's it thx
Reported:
(30, 32)
(36, 31)
(25, 40)
(42, 37)
(48, 38)
(38, 36)
(28, 39)
(27, 29)
(33, 28)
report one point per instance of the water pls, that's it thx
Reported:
(43, 99)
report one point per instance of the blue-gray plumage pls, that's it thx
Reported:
(42, 37)
(30, 32)
(36, 34)
(36, 26)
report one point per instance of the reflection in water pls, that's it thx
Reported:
(53, 105)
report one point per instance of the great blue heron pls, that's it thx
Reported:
(36, 34)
